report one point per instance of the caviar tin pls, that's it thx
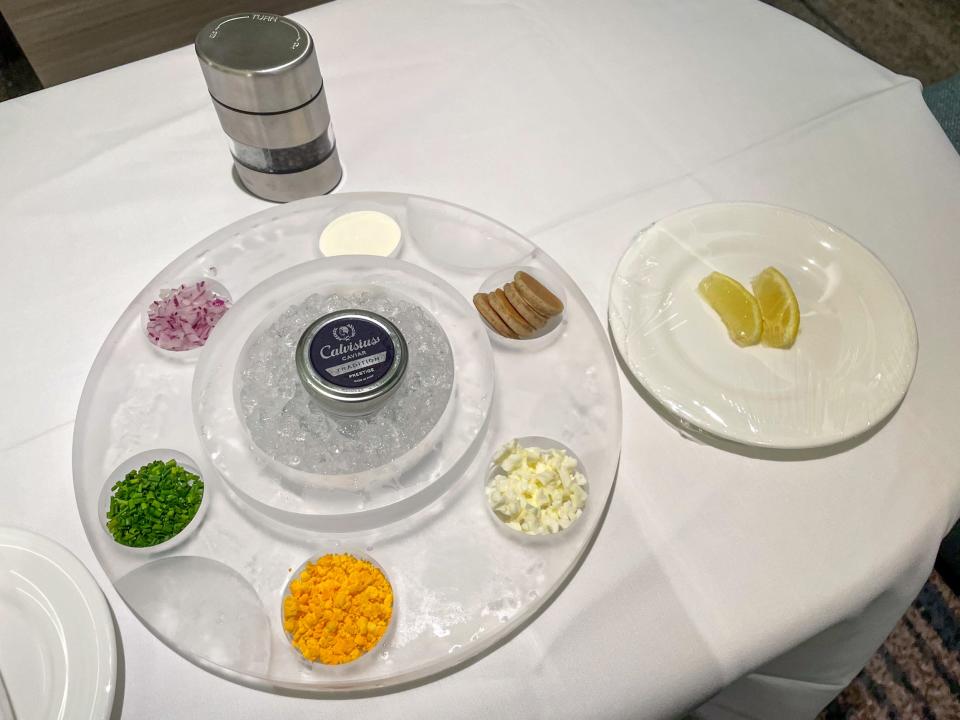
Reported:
(351, 361)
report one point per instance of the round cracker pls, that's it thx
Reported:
(523, 307)
(539, 298)
(482, 304)
(500, 303)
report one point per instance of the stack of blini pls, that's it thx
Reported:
(520, 308)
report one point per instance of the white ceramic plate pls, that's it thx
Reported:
(849, 368)
(58, 654)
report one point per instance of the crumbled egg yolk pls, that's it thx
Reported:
(536, 491)
(338, 609)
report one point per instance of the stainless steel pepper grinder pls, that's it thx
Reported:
(262, 73)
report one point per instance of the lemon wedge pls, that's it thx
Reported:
(779, 307)
(735, 305)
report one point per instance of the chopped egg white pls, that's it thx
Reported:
(536, 491)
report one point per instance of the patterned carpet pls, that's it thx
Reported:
(919, 38)
(916, 672)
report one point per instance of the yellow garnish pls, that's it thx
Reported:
(338, 609)
(735, 305)
(779, 307)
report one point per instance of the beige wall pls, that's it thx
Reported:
(66, 39)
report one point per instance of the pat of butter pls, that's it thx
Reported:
(364, 232)
(536, 491)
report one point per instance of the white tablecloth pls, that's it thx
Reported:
(577, 123)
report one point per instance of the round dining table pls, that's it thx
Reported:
(722, 582)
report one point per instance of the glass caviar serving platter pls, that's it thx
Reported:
(403, 486)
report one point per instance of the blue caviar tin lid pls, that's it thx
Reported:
(351, 361)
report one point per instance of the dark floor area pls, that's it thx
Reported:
(915, 675)
(16, 75)
(920, 38)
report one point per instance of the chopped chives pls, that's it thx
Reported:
(153, 504)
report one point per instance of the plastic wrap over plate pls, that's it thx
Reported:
(849, 368)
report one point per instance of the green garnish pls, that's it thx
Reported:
(152, 504)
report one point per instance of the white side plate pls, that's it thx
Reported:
(58, 654)
(849, 368)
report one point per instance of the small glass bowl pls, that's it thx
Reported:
(545, 444)
(216, 287)
(545, 335)
(370, 655)
(136, 462)
(377, 216)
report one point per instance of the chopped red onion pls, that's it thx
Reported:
(183, 318)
